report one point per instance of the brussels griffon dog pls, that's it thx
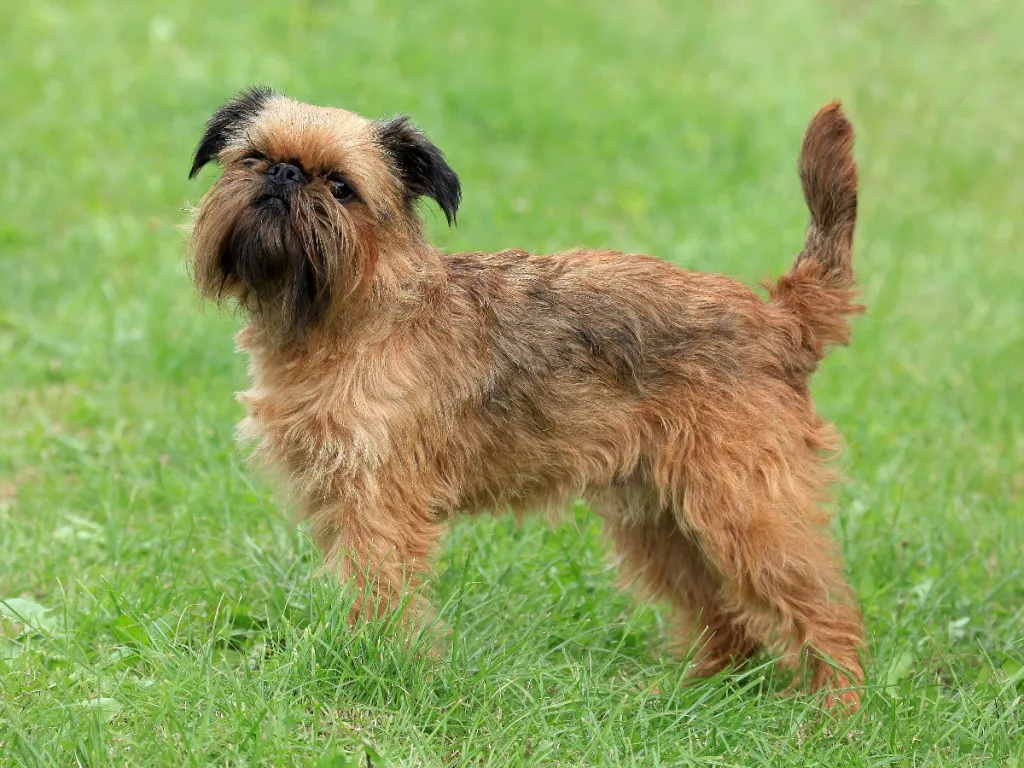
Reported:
(394, 385)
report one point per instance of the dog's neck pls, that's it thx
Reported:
(398, 293)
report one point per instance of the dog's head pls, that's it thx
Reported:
(311, 198)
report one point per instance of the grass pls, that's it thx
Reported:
(160, 608)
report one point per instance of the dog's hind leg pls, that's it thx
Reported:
(754, 514)
(666, 564)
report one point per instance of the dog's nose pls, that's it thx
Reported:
(284, 174)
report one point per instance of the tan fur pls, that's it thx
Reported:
(675, 402)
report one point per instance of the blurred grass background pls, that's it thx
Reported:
(167, 613)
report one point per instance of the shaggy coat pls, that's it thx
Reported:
(394, 385)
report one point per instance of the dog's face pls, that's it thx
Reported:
(311, 198)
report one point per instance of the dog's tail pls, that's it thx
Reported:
(819, 290)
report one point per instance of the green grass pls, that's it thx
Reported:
(184, 623)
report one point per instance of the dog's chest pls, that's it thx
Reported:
(331, 419)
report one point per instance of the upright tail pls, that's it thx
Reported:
(818, 291)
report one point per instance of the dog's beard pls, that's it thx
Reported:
(281, 256)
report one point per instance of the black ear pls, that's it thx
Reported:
(224, 121)
(421, 164)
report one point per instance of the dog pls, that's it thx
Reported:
(394, 385)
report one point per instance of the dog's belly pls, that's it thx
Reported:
(546, 476)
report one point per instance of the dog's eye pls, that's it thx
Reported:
(340, 189)
(253, 156)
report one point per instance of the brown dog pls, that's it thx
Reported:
(396, 385)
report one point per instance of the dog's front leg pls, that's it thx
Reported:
(380, 539)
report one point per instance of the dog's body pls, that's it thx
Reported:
(395, 385)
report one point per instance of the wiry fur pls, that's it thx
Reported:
(395, 385)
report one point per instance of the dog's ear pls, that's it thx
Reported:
(421, 165)
(221, 125)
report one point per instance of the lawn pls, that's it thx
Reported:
(170, 613)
